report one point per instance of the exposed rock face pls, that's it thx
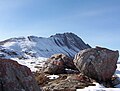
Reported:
(97, 63)
(57, 63)
(16, 77)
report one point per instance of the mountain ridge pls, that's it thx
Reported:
(33, 46)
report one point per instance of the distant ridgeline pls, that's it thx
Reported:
(33, 46)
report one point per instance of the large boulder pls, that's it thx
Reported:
(57, 64)
(97, 63)
(16, 77)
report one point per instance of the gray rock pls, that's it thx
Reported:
(97, 63)
(57, 64)
(16, 77)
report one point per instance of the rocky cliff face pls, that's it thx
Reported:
(34, 47)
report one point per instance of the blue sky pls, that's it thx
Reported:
(97, 22)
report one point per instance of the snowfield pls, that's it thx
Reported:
(33, 63)
(33, 46)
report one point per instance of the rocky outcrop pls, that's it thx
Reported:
(57, 64)
(16, 77)
(67, 82)
(97, 63)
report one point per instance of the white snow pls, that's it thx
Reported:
(39, 47)
(99, 89)
(34, 64)
(53, 76)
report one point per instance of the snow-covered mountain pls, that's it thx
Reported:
(34, 47)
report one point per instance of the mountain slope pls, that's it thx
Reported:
(34, 47)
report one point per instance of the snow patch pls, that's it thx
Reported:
(34, 64)
(53, 77)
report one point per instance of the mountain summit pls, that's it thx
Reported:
(33, 46)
